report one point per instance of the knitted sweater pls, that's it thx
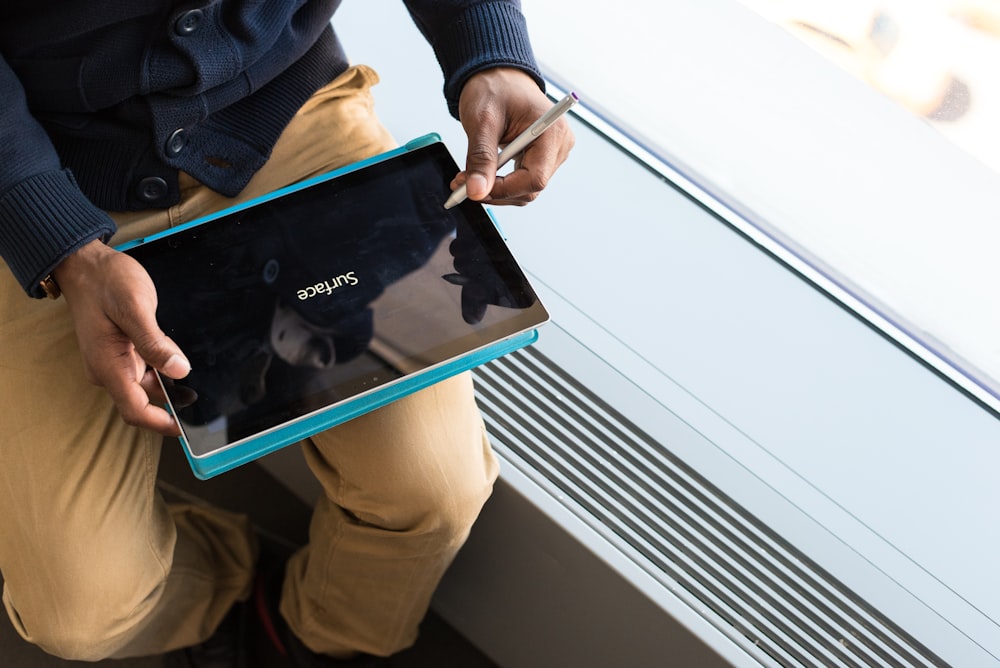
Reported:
(104, 102)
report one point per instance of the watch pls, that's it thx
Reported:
(50, 287)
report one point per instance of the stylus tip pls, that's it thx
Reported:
(456, 197)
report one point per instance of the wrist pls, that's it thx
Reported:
(72, 268)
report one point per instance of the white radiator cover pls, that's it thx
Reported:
(601, 547)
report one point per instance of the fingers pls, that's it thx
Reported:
(134, 405)
(534, 170)
(137, 321)
(151, 386)
(132, 383)
(113, 304)
(530, 176)
(496, 106)
(162, 354)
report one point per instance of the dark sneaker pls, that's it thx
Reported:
(266, 596)
(226, 648)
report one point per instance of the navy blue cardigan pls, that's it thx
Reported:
(101, 103)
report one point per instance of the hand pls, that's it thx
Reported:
(113, 304)
(496, 106)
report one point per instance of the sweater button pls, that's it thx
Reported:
(188, 22)
(175, 143)
(152, 188)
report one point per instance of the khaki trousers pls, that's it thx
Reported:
(96, 564)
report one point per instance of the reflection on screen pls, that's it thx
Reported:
(330, 291)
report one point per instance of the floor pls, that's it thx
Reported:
(281, 517)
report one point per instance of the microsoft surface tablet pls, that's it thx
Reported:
(330, 292)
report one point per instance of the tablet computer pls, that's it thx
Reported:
(327, 299)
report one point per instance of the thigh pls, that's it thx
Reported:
(76, 483)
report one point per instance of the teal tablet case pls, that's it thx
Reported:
(211, 465)
(229, 457)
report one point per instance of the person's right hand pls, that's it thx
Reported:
(113, 303)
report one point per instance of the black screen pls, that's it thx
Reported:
(330, 291)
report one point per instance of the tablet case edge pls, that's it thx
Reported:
(212, 465)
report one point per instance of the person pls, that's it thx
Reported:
(120, 120)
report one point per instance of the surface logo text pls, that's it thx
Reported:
(328, 286)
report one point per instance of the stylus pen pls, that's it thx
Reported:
(521, 142)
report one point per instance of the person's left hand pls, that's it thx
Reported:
(495, 106)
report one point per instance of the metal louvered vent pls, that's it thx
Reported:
(693, 535)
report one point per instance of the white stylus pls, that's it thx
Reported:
(521, 142)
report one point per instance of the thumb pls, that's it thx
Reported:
(177, 366)
(163, 355)
(481, 162)
(157, 349)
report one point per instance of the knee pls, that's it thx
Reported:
(448, 509)
(438, 501)
(421, 465)
(88, 615)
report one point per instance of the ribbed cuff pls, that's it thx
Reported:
(484, 36)
(42, 220)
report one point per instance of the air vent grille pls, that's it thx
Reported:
(692, 535)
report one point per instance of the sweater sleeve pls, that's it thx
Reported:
(469, 36)
(43, 215)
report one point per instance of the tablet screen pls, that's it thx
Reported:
(328, 292)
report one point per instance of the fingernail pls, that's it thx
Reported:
(177, 366)
(476, 186)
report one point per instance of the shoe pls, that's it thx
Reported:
(232, 646)
(226, 648)
(267, 594)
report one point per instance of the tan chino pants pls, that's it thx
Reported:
(96, 564)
